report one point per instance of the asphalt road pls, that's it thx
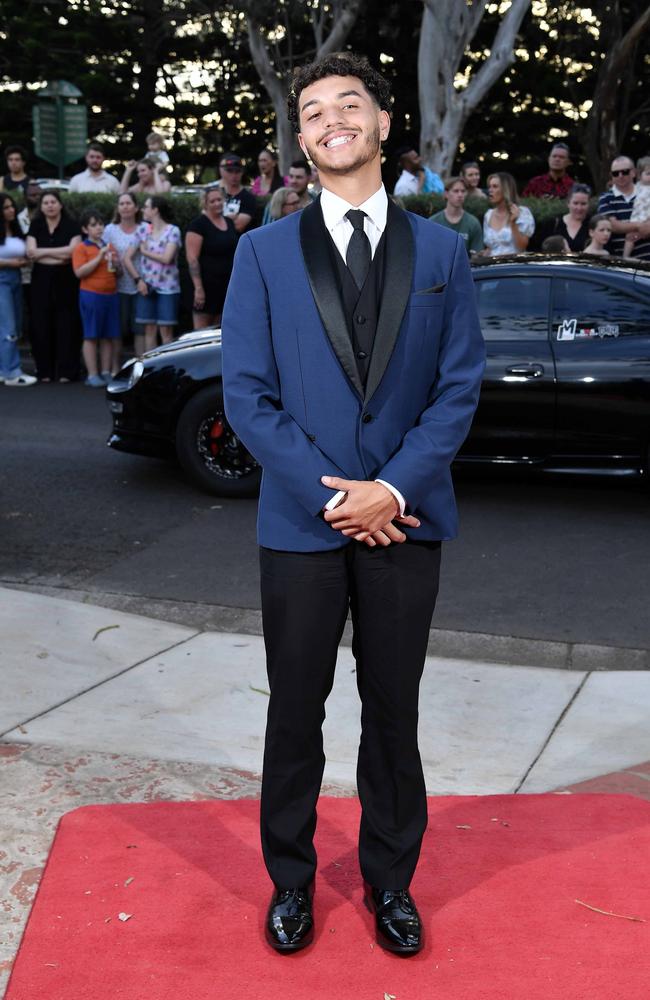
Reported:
(538, 558)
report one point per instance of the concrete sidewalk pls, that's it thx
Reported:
(102, 706)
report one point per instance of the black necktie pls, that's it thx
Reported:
(358, 256)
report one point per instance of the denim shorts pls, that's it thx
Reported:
(158, 308)
(100, 315)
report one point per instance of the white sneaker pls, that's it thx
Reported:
(21, 379)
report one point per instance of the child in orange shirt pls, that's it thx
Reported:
(95, 263)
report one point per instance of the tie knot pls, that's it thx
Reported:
(356, 217)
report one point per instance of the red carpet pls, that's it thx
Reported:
(496, 887)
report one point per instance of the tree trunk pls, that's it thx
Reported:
(277, 79)
(448, 26)
(605, 130)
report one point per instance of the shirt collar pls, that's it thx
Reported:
(621, 194)
(334, 208)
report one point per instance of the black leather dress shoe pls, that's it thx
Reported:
(289, 922)
(397, 920)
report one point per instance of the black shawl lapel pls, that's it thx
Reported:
(321, 270)
(398, 277)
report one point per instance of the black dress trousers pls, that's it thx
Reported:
(391, 593)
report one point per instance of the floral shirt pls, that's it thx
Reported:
(163, 278)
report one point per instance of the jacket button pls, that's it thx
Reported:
(312, 437)
(362, 355)
(367, 417)
(360, 319)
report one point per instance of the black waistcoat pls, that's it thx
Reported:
(362, 308)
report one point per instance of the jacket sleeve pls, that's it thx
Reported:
(428, 449)
(252, 395)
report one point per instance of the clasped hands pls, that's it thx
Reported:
(367, 512)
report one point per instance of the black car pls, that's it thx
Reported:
(567, 384)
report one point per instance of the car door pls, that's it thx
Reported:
(601, 342)
(516, 412)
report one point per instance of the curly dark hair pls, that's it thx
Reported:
(337, 64)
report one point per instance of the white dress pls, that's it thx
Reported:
(500, 241)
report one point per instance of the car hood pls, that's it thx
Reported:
(198, 338)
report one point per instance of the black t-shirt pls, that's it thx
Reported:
(217, 249)
(243, 201)
(59, 237)
(556, 226)
(11, 185)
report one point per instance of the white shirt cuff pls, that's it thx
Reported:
(335, 501)
(396, 493)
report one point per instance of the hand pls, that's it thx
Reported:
(32, 253)
(514, 212)
(199, 300)
(368, 506)
(141, 286)
(131, 165)
(389, 533)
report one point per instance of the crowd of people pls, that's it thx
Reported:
(102, 281)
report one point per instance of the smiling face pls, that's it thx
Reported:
(341, 126)
(579, 205)
(145, 173)
(214, 202)
(298, 179)
(291, 203)
(472, 176)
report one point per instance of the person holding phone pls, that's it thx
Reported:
(507, 225)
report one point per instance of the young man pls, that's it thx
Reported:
(556, 183)
(453, 216)
(352, 362)
(16, 176)
(411, 178)
(299, 178)
(94, 178)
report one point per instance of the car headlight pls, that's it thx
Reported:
(136, 373)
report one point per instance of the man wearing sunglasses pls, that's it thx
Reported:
(617, 205)
(240, 203)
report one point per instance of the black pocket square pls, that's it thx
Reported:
(434, 290)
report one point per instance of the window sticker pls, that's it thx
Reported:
(567, 329)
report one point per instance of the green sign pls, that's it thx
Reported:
(60, 131)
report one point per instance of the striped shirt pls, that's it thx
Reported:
(618, 206)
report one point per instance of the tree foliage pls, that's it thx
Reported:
(185, 68)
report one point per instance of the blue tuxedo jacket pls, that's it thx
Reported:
(292, 390)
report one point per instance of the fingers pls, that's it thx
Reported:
(335, 483)
(408, 520)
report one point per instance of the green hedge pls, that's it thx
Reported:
(428, 204)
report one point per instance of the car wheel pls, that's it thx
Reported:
(209, 451)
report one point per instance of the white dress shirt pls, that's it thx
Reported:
(340, 229)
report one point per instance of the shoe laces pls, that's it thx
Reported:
(294, 899)
(399, 896)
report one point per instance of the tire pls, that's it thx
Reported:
(210, 453)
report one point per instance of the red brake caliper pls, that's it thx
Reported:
(216, 432)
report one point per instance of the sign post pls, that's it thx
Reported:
(60, 124)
